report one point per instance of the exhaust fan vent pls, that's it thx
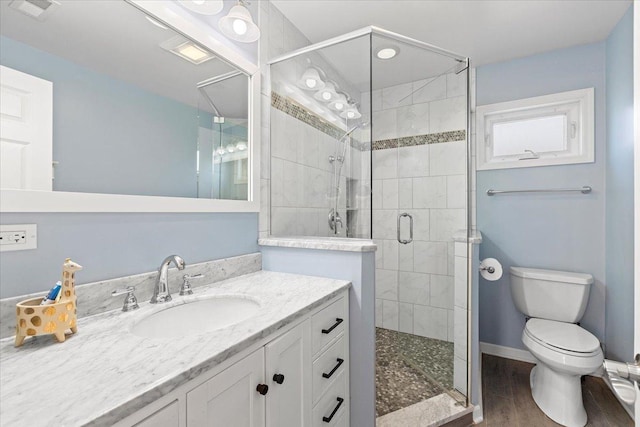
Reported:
(38, 9)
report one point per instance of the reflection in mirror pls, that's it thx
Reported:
(133, 106)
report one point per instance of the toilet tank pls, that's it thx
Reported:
(550, 294)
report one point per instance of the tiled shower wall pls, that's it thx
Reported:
(415, 282)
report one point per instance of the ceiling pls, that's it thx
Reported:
(487, 31)
(114, 38)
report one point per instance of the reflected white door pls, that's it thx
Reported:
(26, 126)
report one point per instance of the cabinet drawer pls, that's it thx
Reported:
(328, 324)
(329, 364)
(325, 413)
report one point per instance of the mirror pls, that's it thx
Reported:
(137, 109)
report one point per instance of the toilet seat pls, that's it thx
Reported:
(565, 338)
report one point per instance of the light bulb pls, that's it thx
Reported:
(198, 2)
(339, 105)
(220, 151)
(326, 95)
(351, 114)
(239, 27)
(311, 83)
(231, 148)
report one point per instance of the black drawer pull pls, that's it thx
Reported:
(262, 389)
(278, 378)
(330, 417)
(335, 368)
(335, 325)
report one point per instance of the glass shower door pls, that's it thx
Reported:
(419, 171)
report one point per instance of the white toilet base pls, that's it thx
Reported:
(558, 395)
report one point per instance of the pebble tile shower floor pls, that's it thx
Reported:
(410, 369)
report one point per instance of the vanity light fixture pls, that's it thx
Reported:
(339, 103)
(238, 24)
(186, 49)
(327, 93)
(203, 7)
(220, 151)
(351, 113)
(311, 80)
(241, 146)
(387, 52)
(231, 148)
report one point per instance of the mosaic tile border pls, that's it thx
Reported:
(429, 138)
(297, 111)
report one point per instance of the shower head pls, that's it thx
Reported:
(360, 125)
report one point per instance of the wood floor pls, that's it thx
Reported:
(507, 398)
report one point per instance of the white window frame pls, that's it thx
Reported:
(576, 105)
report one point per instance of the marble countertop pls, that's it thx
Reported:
(322, 243)
(104, 373)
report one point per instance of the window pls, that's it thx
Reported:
(545, 130)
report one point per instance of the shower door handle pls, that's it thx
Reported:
(401, 240)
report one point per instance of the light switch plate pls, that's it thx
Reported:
(18, 237)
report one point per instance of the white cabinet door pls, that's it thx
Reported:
(26, 131)
(288, 370)
(230, 399)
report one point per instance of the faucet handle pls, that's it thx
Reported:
(130, 301)
(186, 284)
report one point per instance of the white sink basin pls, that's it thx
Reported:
(196, 317)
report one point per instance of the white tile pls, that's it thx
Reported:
(460, 249)
(429, 89)
(445, 222)
(456, 84)
(396, 96)
(413, 161)
(293, 187)
(430, 192)
(460, 333)
(412, 120)
(390, 315)
(376, 100)
(405, 193)
(314, 184)
(450, 326)
(405, 257)
(379, 252)
(385, 125)
(390, 257)
(405, 318)
(285, 134)
(448, 114)
(448, 158)
(378, 313)
(387, 284)
(385, 164)
(376, 190)
(430, 257)
(265, 153)
(460, 375)
(264, 205)
(420, 224)
(277, 182)
(460, 282)
(326, 148)
(430, 322)
(457, 191)
(384, 224)
(389, 194)
(413, 287)
(308, 221)
(450, 259)
(283, 221)
(307, 150)
(441, 291)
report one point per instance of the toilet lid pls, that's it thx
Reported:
(564, 336)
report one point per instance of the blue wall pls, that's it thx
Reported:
(561, 232)
(619, 178)
(111, 136)
(114, 245)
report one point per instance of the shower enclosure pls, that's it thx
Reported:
(369, 139)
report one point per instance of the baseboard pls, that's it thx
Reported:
(506, 352)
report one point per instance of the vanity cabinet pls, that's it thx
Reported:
(296, 378)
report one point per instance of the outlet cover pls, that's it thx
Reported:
(18, 237)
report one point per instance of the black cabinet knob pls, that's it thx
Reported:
(279, 378)
(262, 389)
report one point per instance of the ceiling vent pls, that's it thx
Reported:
(38, 9)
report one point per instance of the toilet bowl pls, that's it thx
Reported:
(563, 350)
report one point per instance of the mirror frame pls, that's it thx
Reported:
(62, 201)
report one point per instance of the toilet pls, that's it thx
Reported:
(554, 301)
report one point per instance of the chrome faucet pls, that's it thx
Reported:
(161, 290)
